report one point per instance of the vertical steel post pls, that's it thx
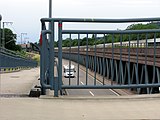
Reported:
(41, 61)
(42, 67)
(59, 59)
(51, 42)
(146, 70)
(95, 59)
(87, 61)
(129, 53)
(0, 46)
(70, 37)
(51, 54)
(100, 71)
(0, 30)
(104, 42)
(121, 66)
(112, 63)
(137, 52)
(158, 77)
(154, 62)
(78, 58)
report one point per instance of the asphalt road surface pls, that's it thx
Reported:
(82, 81)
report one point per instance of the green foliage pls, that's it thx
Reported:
(35, 57)
(66, 43)
(17, 48)
(22, 53)
(125, 37)
(143, 26)
(10, 40)
(55, 44)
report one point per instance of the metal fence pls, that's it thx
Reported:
(12, 60)
(128, 66)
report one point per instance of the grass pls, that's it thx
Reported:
(34, 56)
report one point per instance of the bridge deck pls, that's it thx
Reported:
(144, 55)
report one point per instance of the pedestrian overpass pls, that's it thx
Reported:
(134, 66)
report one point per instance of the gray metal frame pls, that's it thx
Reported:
(126, 74)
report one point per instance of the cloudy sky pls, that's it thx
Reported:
(26, 14)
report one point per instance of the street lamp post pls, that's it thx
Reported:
(50, 8)
(0, 30)
(3, 34)
(22, 35)
(50, 16)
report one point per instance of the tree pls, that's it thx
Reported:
(136, 36)
(10, 40)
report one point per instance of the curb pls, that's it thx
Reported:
(9, 70)
(110, 98)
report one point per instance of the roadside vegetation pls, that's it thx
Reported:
(10, 40)
(33, 56)
(10, 44)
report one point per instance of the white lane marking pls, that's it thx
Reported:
(102, 84)
(67, 92)
(99, 82)
(109, 89)
(114, 92)
(82, 83)
(91, 93)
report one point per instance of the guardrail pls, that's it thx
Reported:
(140, 77)
(11, 60)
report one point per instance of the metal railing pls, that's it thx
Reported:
(11, 60)
(124, 66)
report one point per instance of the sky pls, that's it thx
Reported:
(26, 14)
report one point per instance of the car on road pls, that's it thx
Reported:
(69, 70)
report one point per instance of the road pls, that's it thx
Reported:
(18, 83)
(82, 81)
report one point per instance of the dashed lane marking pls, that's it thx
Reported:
(82, 83)
(102, 83)
(91, 93)
(114, 92)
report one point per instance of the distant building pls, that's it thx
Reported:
(26, 47)
(30, 47)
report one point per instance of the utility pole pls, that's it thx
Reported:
(26, 38)
(22, 36)
(3, 34)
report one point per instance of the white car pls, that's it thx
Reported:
(69, 71)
